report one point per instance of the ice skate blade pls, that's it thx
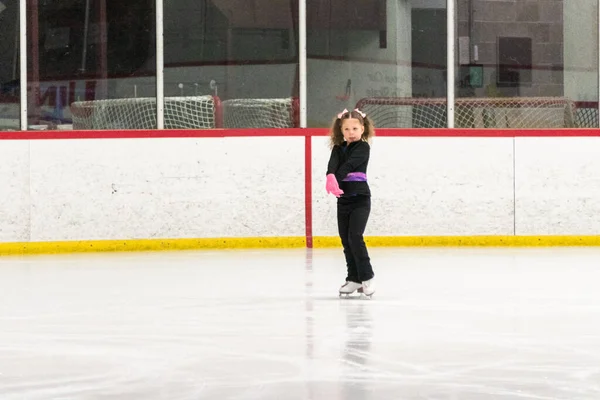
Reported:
(357, 293)
(356, 296)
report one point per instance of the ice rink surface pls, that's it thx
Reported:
(460, 324)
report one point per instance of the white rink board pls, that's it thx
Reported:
(428, 187)
(558, 186)
(98, 189)
(14, 191)
(167, 188)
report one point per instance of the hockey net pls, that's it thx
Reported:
(586, 114)
(261, 113)
(518, 112)
(186, 112)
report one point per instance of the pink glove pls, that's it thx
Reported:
(332, 186)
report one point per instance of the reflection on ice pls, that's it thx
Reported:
(466, 324)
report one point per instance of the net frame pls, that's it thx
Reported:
(496, 112)
(181, 112)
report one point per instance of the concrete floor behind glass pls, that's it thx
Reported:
(468, 324)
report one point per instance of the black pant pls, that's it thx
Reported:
(352, 214)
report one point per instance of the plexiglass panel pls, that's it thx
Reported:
(234, 63)
(9, 65)
(527, 64)
(91, 64)
(385, 57)
(231, 63)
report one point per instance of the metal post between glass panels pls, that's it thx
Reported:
(160, 101)
(302, 61)
(23, 62)
(450, 28)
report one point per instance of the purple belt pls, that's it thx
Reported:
(356, 177)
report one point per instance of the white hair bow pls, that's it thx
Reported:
(340, 115)
(362, 114)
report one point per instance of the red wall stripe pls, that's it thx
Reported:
(289, 132)
(166, 133)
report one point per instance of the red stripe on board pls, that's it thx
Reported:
(308, 190)
(289, 132)
(166, 133)
(445, 132)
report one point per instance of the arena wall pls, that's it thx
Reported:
(149, 190)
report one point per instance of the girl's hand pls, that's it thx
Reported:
(332, 186)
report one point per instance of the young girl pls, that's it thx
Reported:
(347, 180)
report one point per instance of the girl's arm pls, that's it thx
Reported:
(359, 156)
(334, 161)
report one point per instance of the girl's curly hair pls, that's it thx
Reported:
(336, 137)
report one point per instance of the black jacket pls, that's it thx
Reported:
(351, 159)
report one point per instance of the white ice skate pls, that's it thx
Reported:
(368, 287)
(349, 287)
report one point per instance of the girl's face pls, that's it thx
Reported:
(352, 130)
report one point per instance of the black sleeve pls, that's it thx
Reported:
(359, 156)
(334, 161)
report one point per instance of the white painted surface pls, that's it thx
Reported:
(468, 324)
(254, 187)
(167, 188)
(14, 191)
(558, 186)
(323, 205)
(428, 186)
